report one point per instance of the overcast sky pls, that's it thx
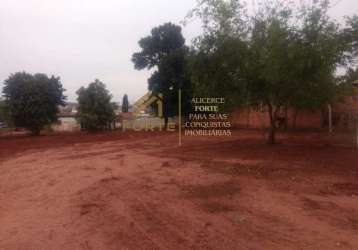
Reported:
(80, 40)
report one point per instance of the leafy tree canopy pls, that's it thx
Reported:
(33, 100)
(162, 42)
(281, 55)
(95, 110)
(164, 50)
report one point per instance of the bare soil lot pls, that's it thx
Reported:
(141, 191)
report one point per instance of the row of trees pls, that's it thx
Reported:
(32, 102)
(282, 55)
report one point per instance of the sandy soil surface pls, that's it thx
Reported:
(140, 191)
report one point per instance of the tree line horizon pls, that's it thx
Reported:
(284, 55)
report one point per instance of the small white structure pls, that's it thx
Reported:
(66, 124)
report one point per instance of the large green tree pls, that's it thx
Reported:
(95, 109)
(33, 100)
(281, 55)
(164, 51)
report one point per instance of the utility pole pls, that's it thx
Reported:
(179, 117)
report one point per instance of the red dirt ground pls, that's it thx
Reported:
(140, 191)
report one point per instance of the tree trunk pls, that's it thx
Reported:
(166, 120)
(272, 136)
(35, 131)
(272, 131)
(294, 125)
(324, 121)
(330, 124)
(357, 134)
(248, 117)
(286, 117)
